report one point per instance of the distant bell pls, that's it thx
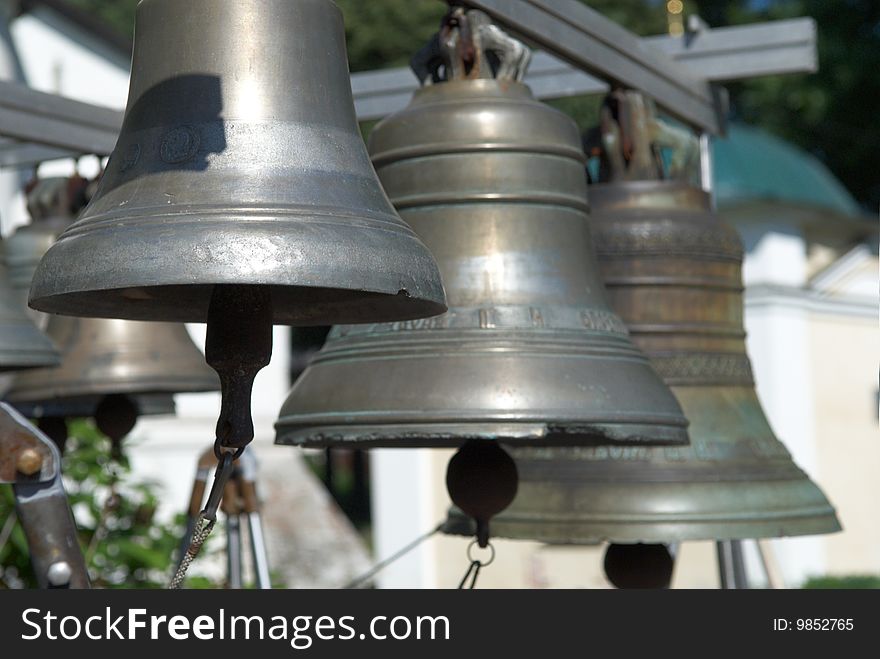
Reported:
(22, 344)
(101, 357)
(529, 352)
(148, 362)
(673, 271)
(239, 162)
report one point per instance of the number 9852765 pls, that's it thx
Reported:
(824, 624)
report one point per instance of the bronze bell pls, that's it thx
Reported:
(672, 269)
(529, 352)
(22, 344)
(148, 362)
(107, 356)
(239, 162)
(52, 203)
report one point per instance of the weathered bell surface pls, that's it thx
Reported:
(673, 273)
(239, 162)
(529, 352)
(148, 362)
(22, 344)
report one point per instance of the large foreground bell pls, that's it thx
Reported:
(239, 162)
(529, 352)
(673, 273)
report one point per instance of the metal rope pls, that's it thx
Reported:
(378, 567)
(203, 529)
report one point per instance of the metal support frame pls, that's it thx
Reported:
(41, 127)
(32, 463)
(593, 43)
(23, 154)
(731, 565)
(721, 54)
(239, 504)
(32, 118)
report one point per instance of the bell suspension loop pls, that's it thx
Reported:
(475, 566)
(238, 345)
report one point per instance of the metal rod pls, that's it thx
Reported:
(725, 568)
(233, 551)
(731, 53)
(400, 553)
(8, 526)
(765, 565)
(33, 466)
(707, 181)
(731, 565)
(70, 128)
(258, 551)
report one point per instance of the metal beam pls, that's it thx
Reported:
(722, 54)
(45, 119)
(21, 155)
(746, 51)
(586, 39)
(48, 126)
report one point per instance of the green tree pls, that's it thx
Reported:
(834, 113)
(125, 546)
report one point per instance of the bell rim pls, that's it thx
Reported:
(820, 520)
(98, 305)
(19, 360)
(60, 392)
(84, 405)
(454, 432)
(351, 291)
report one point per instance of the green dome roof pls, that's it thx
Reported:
(752, 165)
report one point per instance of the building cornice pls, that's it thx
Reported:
(762, 296)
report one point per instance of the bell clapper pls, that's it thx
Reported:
(238, 345)
(482, 480)
(116, 416)
(639, 565)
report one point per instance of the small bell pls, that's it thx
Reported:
(239, 163)
(529, 352)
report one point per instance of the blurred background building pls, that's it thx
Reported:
(797, 175)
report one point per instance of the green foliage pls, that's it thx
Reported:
(125, 546)
(119, 14)
(644, 17)
(387, 33)
(848, 581)
(834, 112)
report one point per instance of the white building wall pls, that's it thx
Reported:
(403, 503)
(58, 57)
